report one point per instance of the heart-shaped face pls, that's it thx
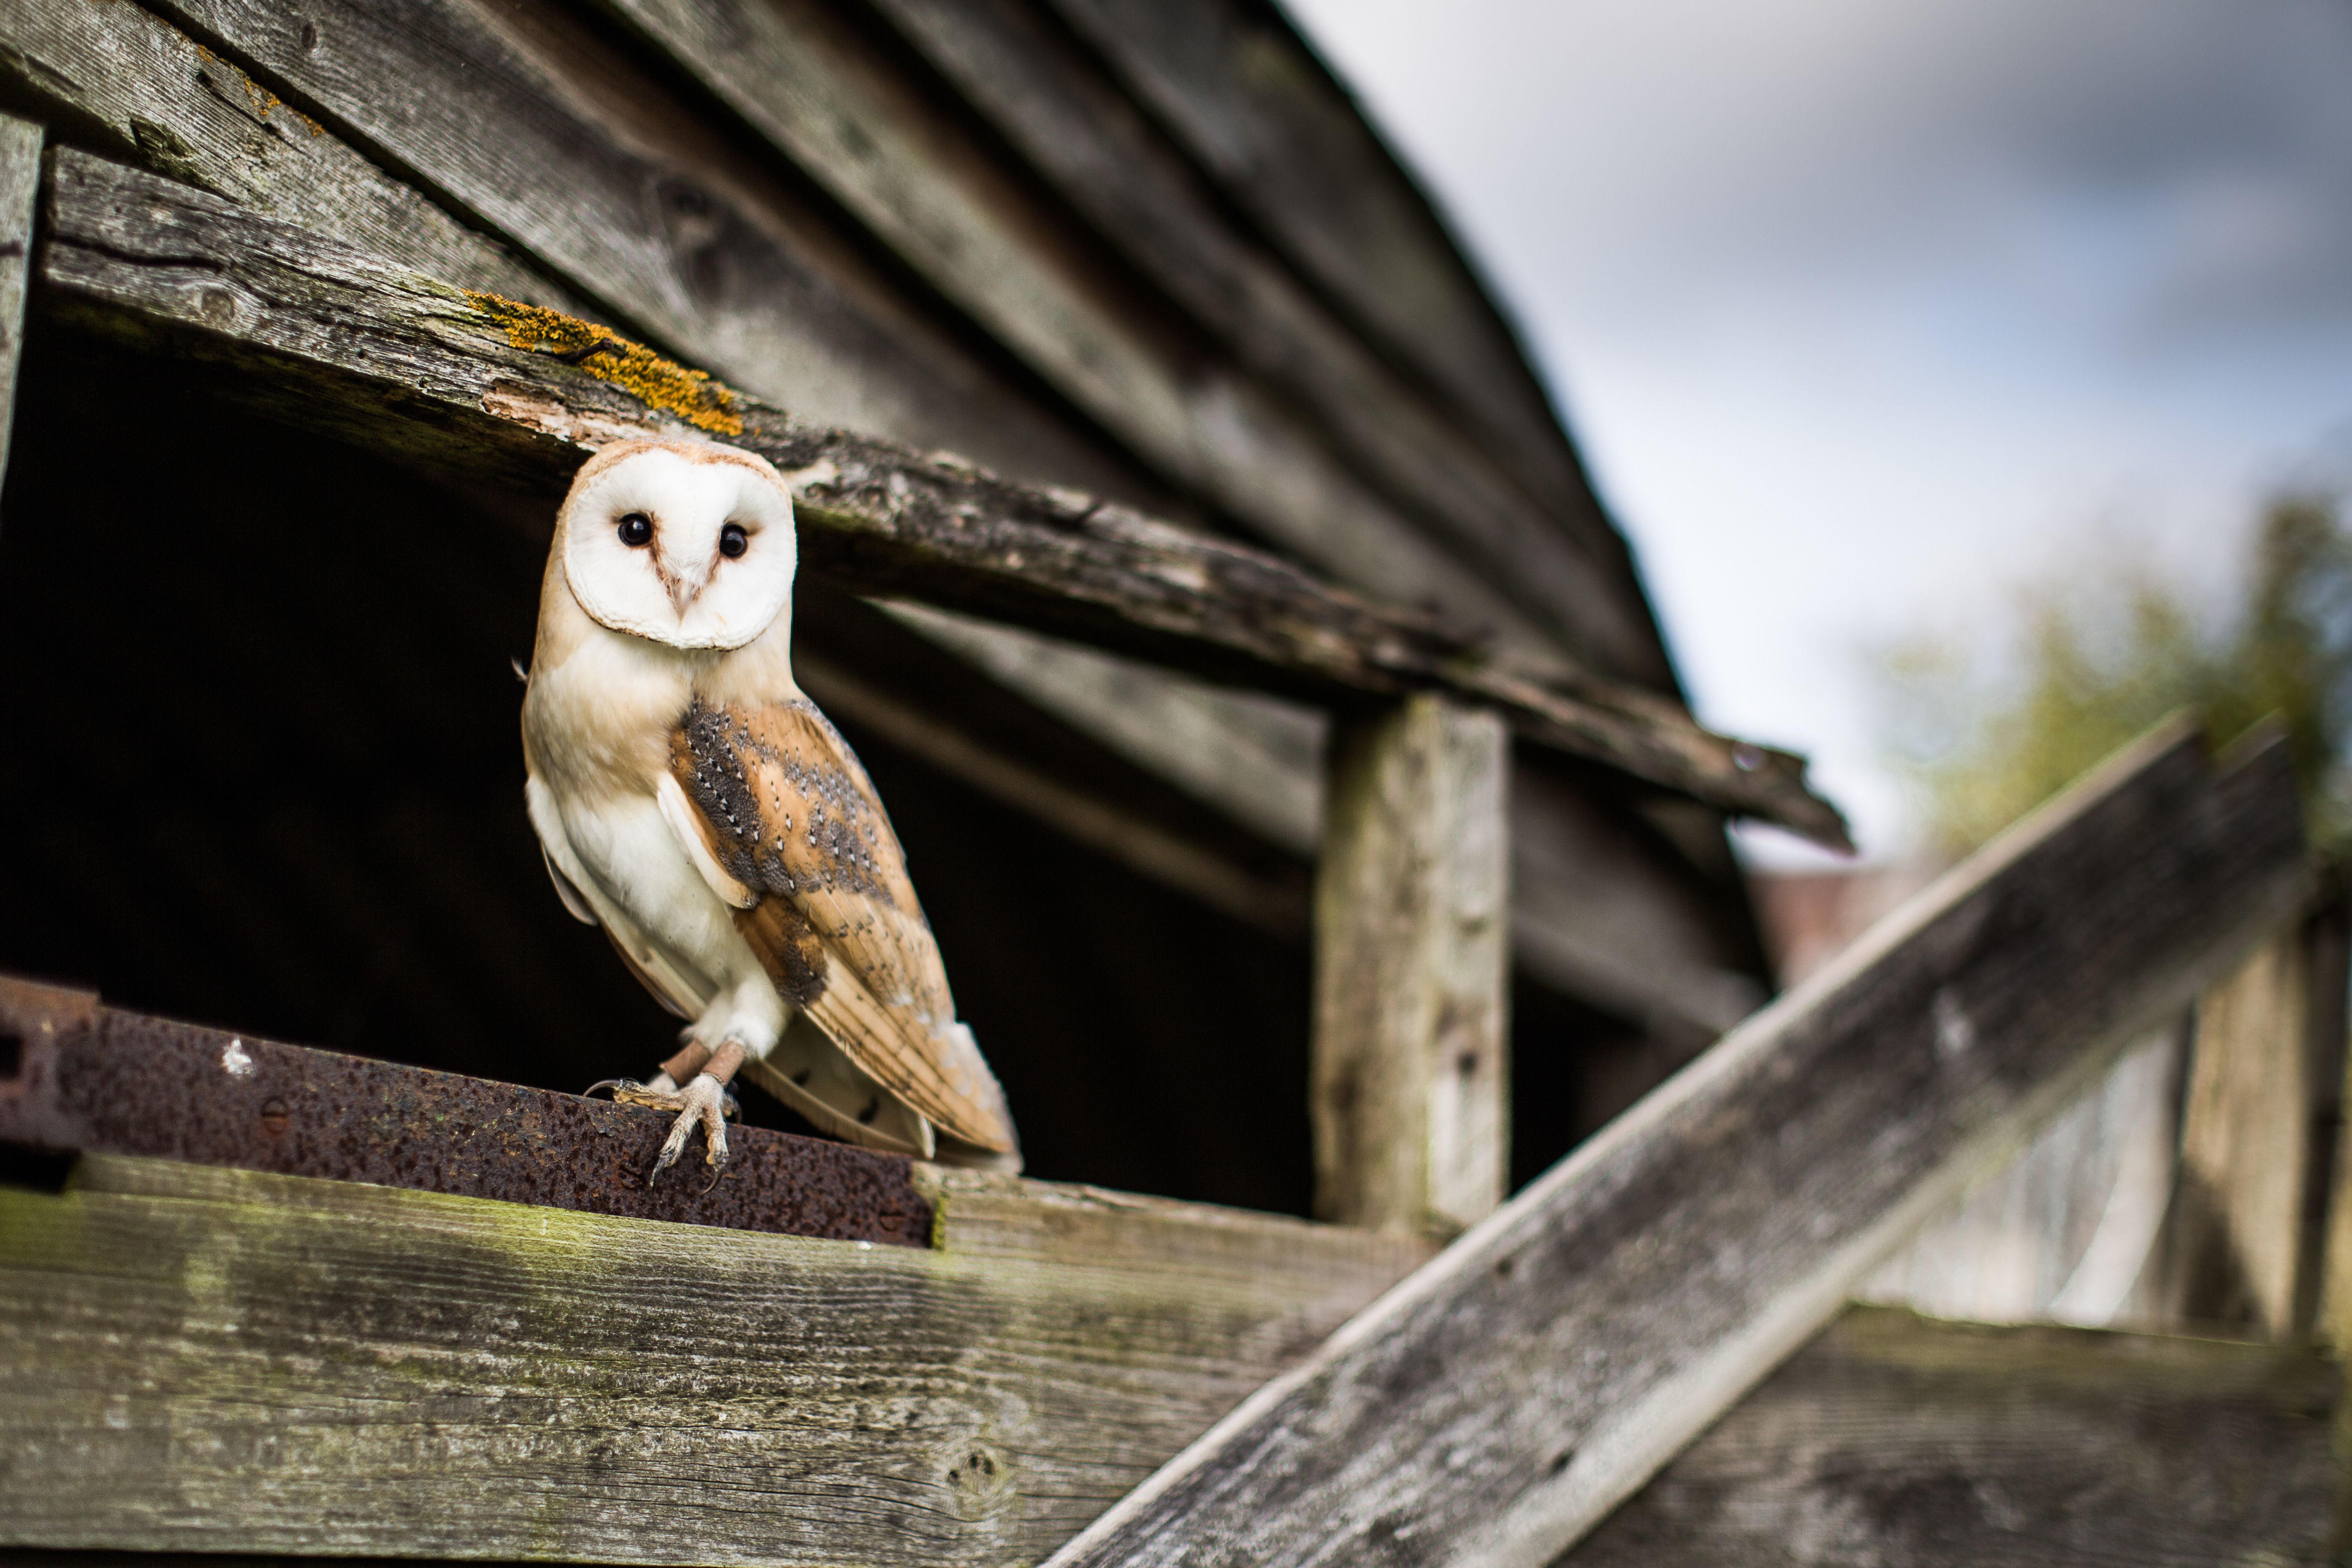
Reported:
(691, 546)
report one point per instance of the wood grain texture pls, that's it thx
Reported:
(1250, 104)
(20, 190)
(1410, 1072)
(527, 124)
(901, 159)
(497, 104)
(1892, 1439)
(130, 83)
(1517, 1389)
(197, 1359)
(1045, 92)
(383, 356)
(124, 82)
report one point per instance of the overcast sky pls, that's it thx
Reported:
(1861, 311)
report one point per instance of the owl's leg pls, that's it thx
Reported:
(703, 1101)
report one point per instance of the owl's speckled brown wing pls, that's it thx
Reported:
(787, 811)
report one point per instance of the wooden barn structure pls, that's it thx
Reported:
(1290, 765)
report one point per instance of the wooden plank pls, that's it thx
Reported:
(383, 357)
(1049, 96)
(2256, 1138)
(1514, 1391)
(520, 124)
(1410, 1077)
(129, 85)
(1289, 146)
(1891, 1440)
(1257, 759)
(501, 105)
(901, 159)
(197, 1359)
(20, 189)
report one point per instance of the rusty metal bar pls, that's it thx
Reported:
(77, 1076)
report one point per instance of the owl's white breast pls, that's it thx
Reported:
(596, 726)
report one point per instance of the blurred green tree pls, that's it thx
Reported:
(2095, 659)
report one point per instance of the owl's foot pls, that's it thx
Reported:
(703, 1101)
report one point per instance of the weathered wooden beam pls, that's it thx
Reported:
(1372, 445)
(1410, 1081)
(120, 80)
(663, 230)
(20, 191)
(128, 82)
(1252, 104)
(1894, 1440)
(502, 104)
(222, 1361)
(1514, 1391)
(327, 336)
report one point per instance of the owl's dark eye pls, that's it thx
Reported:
(637, 531)
(733, 541)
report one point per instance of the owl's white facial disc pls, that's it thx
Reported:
(691, 554)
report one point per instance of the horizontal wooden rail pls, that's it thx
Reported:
(380, 355)
(202, 1358)
(1898, 1439)
(1503, 1400)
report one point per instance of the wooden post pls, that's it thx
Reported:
(20, 185)
(2257, 1137)
(1410, 1076)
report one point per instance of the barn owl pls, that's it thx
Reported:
(693, 802)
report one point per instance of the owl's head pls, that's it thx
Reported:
(689, 545)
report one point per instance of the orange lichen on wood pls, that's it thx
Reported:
(655, 382)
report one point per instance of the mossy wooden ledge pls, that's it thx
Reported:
(222, 1360)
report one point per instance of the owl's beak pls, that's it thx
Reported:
(683, 587)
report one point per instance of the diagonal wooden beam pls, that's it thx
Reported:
(1496, 1405)
(331, 336)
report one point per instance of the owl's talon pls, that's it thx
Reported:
(703, 1103)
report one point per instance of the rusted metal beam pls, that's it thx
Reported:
(77, 1076)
